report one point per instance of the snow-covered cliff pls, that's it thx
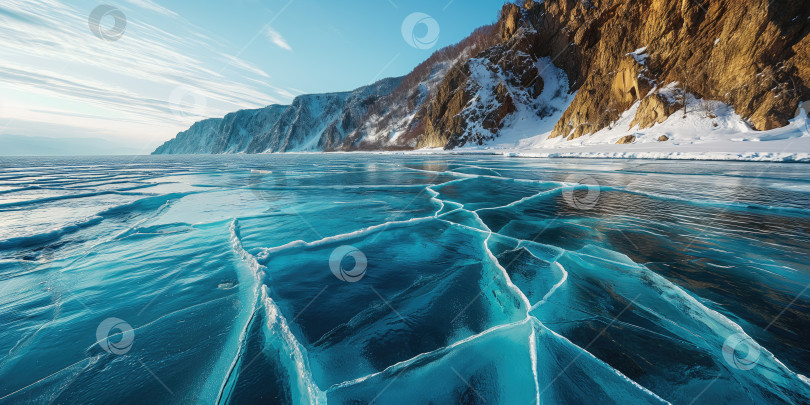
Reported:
(314, 122)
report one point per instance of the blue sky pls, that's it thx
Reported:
(178, 61)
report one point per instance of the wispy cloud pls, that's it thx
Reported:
(152, 6)
(50, 57)
(247, 66)
(276, 38)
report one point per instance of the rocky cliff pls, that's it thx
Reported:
(750, 54)
(316, 122)
(566, 68)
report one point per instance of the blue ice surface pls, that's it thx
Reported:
(457, 279)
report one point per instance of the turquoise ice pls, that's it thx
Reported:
(473, 279)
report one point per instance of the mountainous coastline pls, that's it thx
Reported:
(564, 69)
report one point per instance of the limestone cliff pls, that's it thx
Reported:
(750, 54)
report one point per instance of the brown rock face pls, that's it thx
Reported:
(506, 105)
(654, 109)
(629, 84)
(751, 54)
(663, 138)
(604, 99)
(626, 139)
(441, 116)
(509, 22)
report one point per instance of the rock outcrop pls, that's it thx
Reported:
(626, 140)
(750, 54)
(654, 109)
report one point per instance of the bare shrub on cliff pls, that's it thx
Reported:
(611, 115)
(686, 85)
(707, 108)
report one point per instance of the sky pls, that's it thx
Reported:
(136, 72)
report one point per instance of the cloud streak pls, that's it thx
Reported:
(150, 5)
(50, 54)
(276, 38)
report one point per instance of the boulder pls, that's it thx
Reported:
(654, 109)
(626, 139)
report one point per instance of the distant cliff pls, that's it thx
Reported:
(311, 123)
(567, 68)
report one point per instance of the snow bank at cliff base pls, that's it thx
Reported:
(709, 130)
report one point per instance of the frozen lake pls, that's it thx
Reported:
(358, 278)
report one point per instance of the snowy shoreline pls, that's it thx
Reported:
(767, 157)
(716, 133)
(696, 156)
(786, 150)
